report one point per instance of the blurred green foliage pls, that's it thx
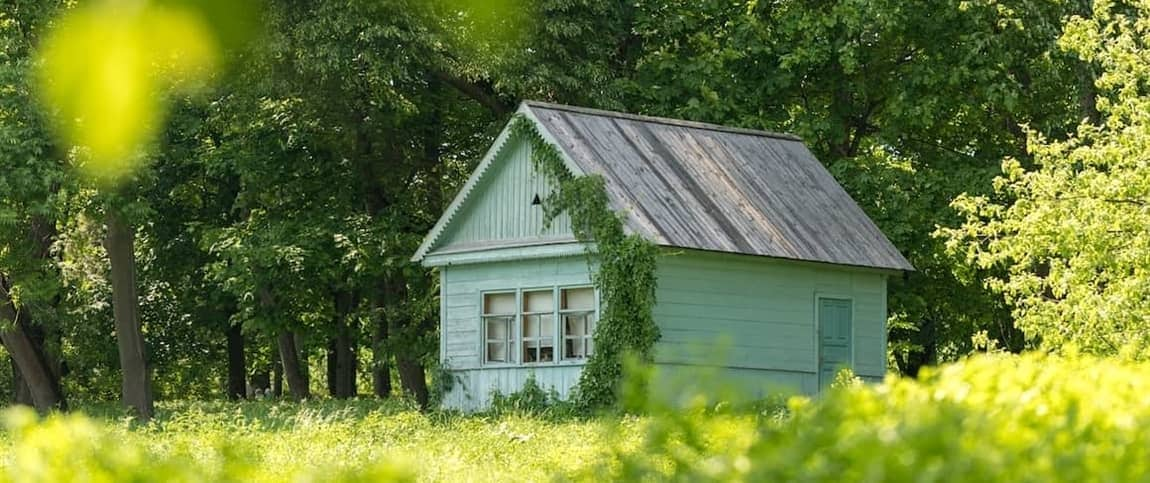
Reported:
(987, 418)
(991, 417)
(349, 441)
(106, 68)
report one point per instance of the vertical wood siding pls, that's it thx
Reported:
(758, 314)
(499, 211)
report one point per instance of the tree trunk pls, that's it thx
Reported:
(277, 370)
(380, 367)
(34, 385)
(413, 378)
(411, 372)
(136, 384)
(42, 385)
(341, 362)
(388, 296)
(345, 365)
(926, 337)
(304, 364)
(267, 306)
(344, 347)
(331, 367)
(35, 376)
(237, 363)
(20, 392)
(1088, 94)
(292, 368)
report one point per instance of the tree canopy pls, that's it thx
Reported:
(283, 168)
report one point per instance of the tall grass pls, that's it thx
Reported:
(362, 440)
(988, 418)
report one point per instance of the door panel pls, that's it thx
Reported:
(835, 344)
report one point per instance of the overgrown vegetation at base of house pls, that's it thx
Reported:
(987, 418)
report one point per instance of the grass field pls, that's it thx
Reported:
(987, 418)
(324, 440)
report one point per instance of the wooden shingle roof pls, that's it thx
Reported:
(707, 187)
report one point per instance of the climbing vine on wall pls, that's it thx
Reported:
(625, 276)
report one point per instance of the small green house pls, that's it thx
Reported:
(766, 259)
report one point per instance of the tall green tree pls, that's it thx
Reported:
(908, 106)
(345, 136)
(1065, 229)
(32, 179)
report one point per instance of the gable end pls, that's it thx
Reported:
(497, 206)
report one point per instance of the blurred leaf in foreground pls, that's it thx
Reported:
(105, 69)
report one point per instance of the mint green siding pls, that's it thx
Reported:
(498, 211)
(758, 315)
(755, 318)
(733, 211)
(462, 291)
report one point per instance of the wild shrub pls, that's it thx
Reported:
(531, 400)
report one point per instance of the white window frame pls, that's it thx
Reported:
(591, 323)
(516, 341)
(512, 334)
(522, 340)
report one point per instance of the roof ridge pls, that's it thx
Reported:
(662, 120)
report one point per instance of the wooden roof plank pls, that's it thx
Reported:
(708, 187)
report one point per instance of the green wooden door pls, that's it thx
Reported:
(835, 341)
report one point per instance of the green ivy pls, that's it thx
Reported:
(625, 276)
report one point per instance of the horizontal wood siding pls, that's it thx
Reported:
(472, 389)
(499, 212)
(757, 315)
(463, 284)
(754, 317)
(674, 381)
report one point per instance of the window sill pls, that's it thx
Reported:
(529, 365)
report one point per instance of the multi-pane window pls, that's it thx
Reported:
(499, 316)
(539, 326)
(538, 320)
(577, 312)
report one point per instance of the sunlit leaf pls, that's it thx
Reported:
(105, 70)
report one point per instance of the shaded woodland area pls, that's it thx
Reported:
(268, 234)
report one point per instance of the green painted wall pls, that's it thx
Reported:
(499, 210)
(755, 316)
(758, 314)
(462, 289)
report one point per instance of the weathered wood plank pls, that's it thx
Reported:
(714, 188)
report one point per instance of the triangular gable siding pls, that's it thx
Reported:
(498, 212)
